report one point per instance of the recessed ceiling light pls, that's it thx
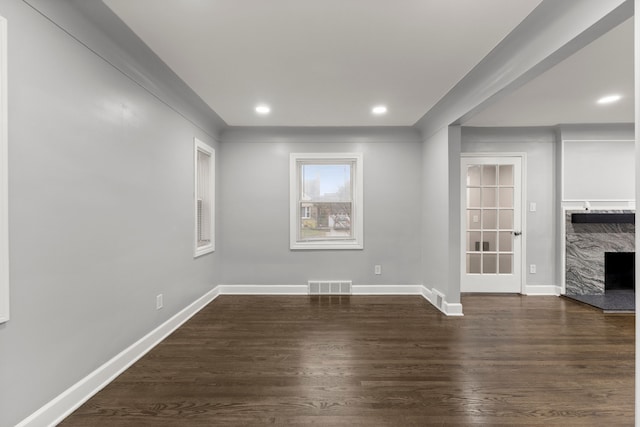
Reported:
(609, 99)
(379, 109)
(263, 109)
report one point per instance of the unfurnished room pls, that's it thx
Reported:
(331, 213)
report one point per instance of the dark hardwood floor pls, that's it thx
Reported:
(375, 361)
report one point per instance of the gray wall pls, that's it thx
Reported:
(542, 147)
(539, 144)
(441, 154)
(254, 197)
(101, 213)
(597, 163)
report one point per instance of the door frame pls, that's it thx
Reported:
(523, 213)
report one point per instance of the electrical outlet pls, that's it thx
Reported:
(159, 302)
(532, 269)
(377, 269)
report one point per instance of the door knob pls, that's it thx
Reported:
(517, 233)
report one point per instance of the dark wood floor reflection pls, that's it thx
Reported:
(374, 361)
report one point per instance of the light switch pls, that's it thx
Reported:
(532, 207)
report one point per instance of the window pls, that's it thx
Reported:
(326, 201)
(204, 160)
(4, 211)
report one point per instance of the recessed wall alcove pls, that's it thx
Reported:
(589, 236)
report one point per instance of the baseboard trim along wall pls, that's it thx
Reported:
(262, 289)
(62, 406)
(541, 290)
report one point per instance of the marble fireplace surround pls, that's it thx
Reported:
(586, 244)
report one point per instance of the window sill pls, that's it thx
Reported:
(327, 245)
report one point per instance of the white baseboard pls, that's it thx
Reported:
(302, 289)
(541, 290)
(62, 406)
(438, 300)
(263, 289)
(386, 289)
(452, 309)
(426, 293)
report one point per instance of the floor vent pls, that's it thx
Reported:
(329, 287)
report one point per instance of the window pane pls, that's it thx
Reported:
(473, 241)
(326, 183)
(506, 197)
(506, 174)
(489, 198)
(473, 219)
(473, 263)
(473, 197)
(506, 241)
(490, 219)
(489, 175)
(490, 241)
(473, 176)
(203, 208)
(506, 264)
(489, 263)
(330, 220)
(506, 219)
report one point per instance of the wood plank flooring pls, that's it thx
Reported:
(380, 361)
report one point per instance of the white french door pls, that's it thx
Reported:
(491, 224)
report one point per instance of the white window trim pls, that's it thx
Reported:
(4, 178)
(357, 240)
(199, 146)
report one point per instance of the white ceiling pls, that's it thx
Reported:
(327, 63)
(567, 93)
(321, 63)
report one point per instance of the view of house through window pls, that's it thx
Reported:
(326, 201)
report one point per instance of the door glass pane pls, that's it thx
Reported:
(506, 264)
(473, 176)
(506, 174)
(473, 241)
(506, 219)
(489, 175)
(489, 197)
(506, 241)
(473, 219)
(473, 263)
(473, 197)
(489, 264)
(489, 241)
(506, 197)
(490, 219)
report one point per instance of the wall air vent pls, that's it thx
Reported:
(329, 287)
(438, 298)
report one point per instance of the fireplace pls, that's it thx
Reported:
(589, 235)
(619, 271)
